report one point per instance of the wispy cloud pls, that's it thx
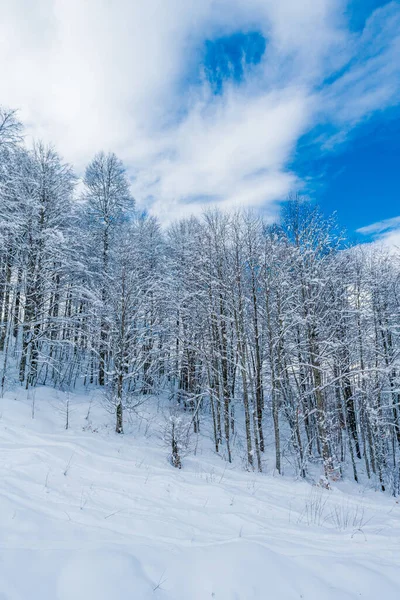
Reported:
(386, 232)
(370, 78)
(118, 75)
(380, 226)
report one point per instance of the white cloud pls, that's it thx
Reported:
(380, 226)
(102, 74)
(386, 232)
(372, 81)
(391, 240)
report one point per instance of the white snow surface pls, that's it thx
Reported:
(86, 514)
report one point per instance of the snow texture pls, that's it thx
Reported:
(86, 514)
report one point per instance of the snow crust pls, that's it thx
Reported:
(86, 514)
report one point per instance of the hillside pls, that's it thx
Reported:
(89, 515)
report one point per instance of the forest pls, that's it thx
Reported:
(285, 334)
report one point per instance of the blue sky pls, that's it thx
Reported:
(229, 103)
(359, 178)
(358, 12)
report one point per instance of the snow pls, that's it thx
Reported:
(86, 514)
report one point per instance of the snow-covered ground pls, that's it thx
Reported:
(89, 515)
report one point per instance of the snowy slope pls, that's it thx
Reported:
(89, 515)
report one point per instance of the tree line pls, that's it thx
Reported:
(282, 336)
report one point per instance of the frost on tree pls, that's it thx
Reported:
(278, 337)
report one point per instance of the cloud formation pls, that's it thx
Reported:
(128, 76)
(386, 232)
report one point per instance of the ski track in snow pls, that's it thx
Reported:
(89, 515)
